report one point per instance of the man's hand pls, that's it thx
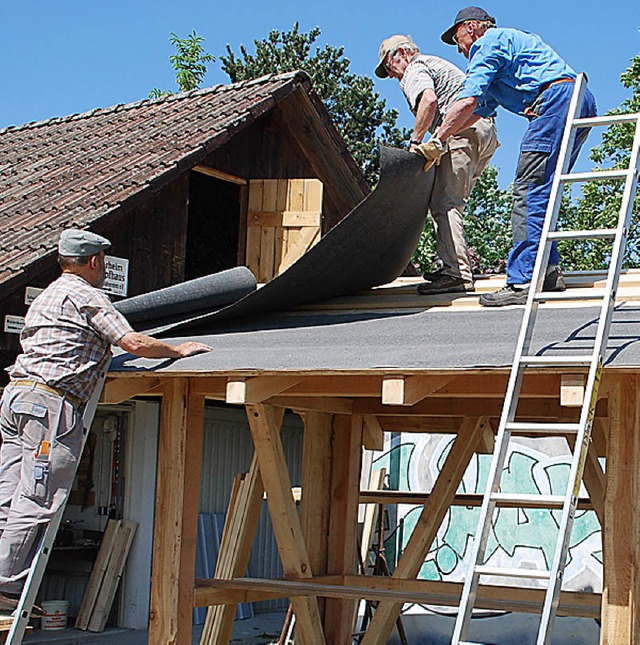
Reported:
(432, 151)
(192, 347)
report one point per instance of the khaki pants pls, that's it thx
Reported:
(32, 489)
(467, 156)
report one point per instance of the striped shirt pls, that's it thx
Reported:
(433, 73)
(67, 337)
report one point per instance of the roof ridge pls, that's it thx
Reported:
(178, 96)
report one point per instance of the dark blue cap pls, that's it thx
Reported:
(468, 13)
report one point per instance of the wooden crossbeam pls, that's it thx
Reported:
(258, 388)
(470, 435)
(220, 174)
(284, 516)
(408, 390)
(428, 592)
(117, 390)
(572, 390)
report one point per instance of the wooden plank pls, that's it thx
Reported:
(470, 434)
(243, 522)
(376, 483)
(285, 218)
(284, 516)
(254, 235)
(428, 592)
(113, 575)
(97, 573)
(220, 174)
(176, 514)
(267, 233)
(329, 405)
(300, 241)
(343, 522)
(620, 539)
(258, 388)
(572, 390)
(373, 434)
(595, 482)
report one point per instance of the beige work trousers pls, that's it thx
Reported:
(468, 154)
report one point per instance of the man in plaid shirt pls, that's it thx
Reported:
(69, 330)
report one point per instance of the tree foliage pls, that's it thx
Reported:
(359, 113)
(189, 63)
(599, 205)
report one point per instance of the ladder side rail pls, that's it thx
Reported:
(41, 558)
(516, 376)
(593, 381)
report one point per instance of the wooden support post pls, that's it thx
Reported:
(284, 516)
(240, 528)
(470, 434)
(620, 612)
(343, 523)
(176, 516)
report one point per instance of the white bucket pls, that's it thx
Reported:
(55, 614)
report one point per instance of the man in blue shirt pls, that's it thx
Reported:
(517, 70)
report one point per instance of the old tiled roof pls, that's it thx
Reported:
(74, 170)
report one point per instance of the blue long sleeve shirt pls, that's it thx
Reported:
(508, 67)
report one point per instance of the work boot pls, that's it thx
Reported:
(508, 295)
(445, 284)
(554, 280)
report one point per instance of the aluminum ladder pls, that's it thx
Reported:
(524, 362)
(39, 564)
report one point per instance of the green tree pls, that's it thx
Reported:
(359, 113)
(189, 63)
(599, 204)
(487, 225)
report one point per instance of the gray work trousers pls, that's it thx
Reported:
(32, 489)
(468, 154)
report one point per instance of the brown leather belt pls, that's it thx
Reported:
(76, 400)
(546, 86)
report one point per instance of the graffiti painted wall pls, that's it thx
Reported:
(519, 538)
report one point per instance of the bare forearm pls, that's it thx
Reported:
(149, 347)
(424, 115)
(459, 117)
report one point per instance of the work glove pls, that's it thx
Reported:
(432, 150)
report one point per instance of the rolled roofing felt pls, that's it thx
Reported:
(207, 293)
(369, 247)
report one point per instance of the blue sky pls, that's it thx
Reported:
(60, 57)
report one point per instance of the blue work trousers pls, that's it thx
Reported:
(534, 176)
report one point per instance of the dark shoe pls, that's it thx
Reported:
(433, 275)
(508, 295)
(445, 284)
(554, 280)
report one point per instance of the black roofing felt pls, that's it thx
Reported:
(369, 247)
(432, 339)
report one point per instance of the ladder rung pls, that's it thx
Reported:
(598, 174)
(605, 120)
(569, 361)
(571, 294)
(524, 427)
(512, 573)
(527, 500)
(594, 234)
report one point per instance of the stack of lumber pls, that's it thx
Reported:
(106, 574)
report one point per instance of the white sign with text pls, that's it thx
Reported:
(117, 276)
(13, 324)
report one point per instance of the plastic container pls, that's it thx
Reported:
(55, 614)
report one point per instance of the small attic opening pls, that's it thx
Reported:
(212, 225)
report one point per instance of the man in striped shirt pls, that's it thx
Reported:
(66, 341)
(431, 85)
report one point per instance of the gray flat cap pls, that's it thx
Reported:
(77, 243)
